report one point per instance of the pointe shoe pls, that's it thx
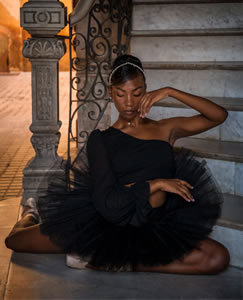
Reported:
(76, 262)
(29, 207)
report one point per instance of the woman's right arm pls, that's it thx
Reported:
(176, 186)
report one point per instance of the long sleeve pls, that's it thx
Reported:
(117, 204)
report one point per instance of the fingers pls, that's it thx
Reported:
(150, 98)
(183, 190)
(185, 193)
(145, 105)
(185, 183)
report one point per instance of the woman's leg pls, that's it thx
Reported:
(210, 258)
(26, 237)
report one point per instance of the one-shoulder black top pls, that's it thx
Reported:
(115, 159)
(135, 159)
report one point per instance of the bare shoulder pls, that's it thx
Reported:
(161, 129)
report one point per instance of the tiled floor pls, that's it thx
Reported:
(15, 118)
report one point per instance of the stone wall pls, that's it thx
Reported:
(12, 37)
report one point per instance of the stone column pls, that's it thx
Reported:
(43, 20)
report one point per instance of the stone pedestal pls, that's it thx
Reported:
(43, 20)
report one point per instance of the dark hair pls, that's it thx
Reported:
(127, 72)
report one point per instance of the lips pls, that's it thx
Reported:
(129, 112)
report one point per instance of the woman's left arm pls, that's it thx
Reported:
(210, 115)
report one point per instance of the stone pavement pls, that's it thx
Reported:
(33, 276)
(15, 119)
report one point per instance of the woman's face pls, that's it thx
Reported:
(126, 97)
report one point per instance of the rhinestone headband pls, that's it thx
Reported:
(127, 63)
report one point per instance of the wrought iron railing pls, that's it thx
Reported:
(92, 51)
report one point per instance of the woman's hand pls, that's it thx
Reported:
(159, 186)
(177, 186)
(150, 98)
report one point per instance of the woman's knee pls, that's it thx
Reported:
(220, 259)
(11, 243)
(216, 257)
(18, 239)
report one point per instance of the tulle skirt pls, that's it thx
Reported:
(71, 221)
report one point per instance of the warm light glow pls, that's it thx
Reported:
(12, 37)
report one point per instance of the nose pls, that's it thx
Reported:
(129, 100)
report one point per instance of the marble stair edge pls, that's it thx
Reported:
(230, 104)
(183, 16)
(232, 211)
(232, 239)
(229, 228)
(188, 49)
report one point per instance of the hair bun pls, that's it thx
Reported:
(125, 67)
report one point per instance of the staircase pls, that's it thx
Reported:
(197, 46)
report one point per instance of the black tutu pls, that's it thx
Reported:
(72, 222)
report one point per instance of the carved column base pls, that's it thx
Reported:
(36, 180)
(45, 164)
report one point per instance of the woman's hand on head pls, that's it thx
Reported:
(150, 98)
(177, 186)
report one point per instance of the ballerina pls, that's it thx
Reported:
(140, 206)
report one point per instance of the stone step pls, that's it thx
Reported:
(205, 83)
(187, 32)
(188, 49)
(232, 212)
(231, 130)
(224, 159)
(232, 104)
(226, 151)
(193, 65)
(197, 16)
(229, 228)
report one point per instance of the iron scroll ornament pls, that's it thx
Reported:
(107, 36)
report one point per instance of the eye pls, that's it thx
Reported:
(138, 95)
(119, 95)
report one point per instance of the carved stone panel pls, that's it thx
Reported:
(44, 48)
(42, 18)
(46, 150)
(44, 92)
